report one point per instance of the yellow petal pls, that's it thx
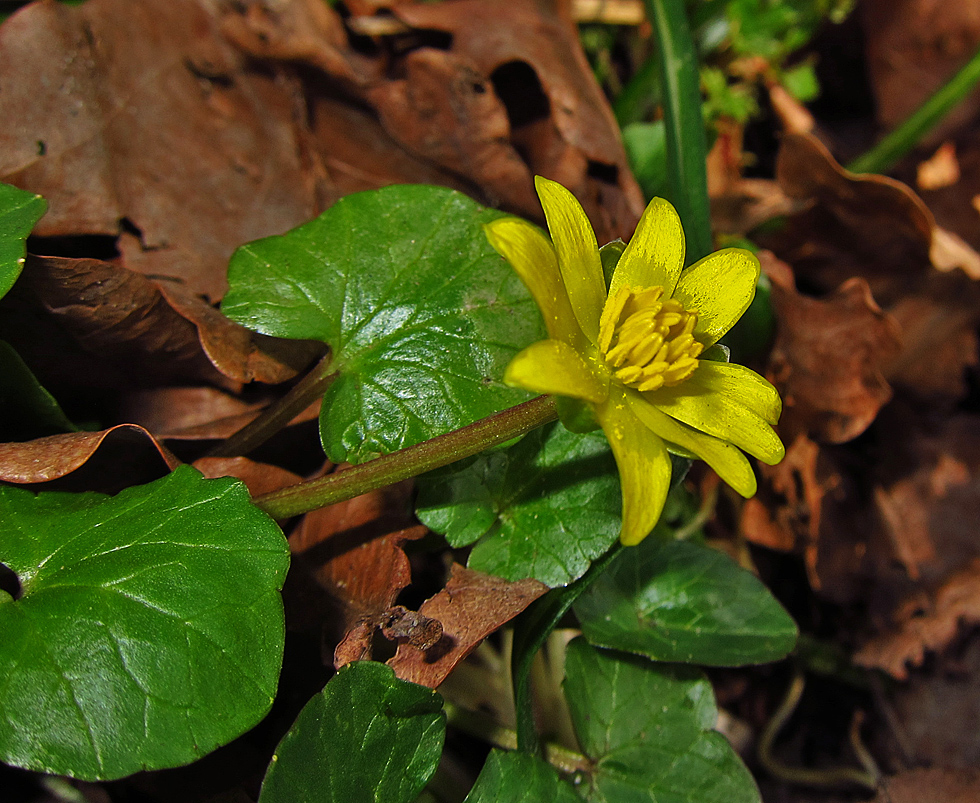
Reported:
(740, 384)
(655, 254)
(719, 415)
(554, 367)
(719, 288)
(644, 468)
(531, 255)
(725, 459)
(578, 253)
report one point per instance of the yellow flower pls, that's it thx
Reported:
(632, 354)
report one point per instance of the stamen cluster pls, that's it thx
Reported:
(647, 340)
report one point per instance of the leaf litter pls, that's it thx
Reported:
(160, 154)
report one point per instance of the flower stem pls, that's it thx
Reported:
(532, 630)
(903, 139)
(277, 415)
(484, 727)
(441, 451)
(687, 149)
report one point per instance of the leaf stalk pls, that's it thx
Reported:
(405, 463)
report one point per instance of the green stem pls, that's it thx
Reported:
(903, 139)
(277, 415)
(532, 630)
(478, 724)
(466, 442)
(687, 149)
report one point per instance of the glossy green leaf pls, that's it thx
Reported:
(649, 729)
(682, 601)
(27, 410)
(19, 211)
(421, 313)
(519, 778)
(545, 508)
(367, 737)
(150, 626)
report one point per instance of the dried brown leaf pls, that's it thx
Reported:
(167, 141)
(880, 221)
(913, 48)
(474, 96)
(470, 607)
(561, 125)
(239, 353)
(259, 478)
(137, 331)
(828, 356)
(934, 785)
(926, 623)
(354, 550)
(105, 461)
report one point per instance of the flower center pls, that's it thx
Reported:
(647, 340)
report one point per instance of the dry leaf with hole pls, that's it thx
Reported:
(469, 608)
(354, 550)
(474, 96)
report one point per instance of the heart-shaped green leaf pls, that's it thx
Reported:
(519, 778)
(545, 508)
(19, 211)
(150, 627)
(368, 736)
(421, 314)
(648, 729)
(682, 601)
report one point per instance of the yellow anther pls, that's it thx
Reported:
(648, 340)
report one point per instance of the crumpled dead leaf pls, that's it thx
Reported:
(239, 353)
(479, 97)
(882, 220)
(809, 504)
(877, 229)
(259, 478)
(470, 608)
(926, 491)
(138, 331)
(926, 622)
(354, 550)
(105, 461)
(114, 128)
(828, 356)
(879, 220)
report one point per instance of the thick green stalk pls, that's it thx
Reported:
(687, 149)
(532, 630)
(466, 442)
(903, 139)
